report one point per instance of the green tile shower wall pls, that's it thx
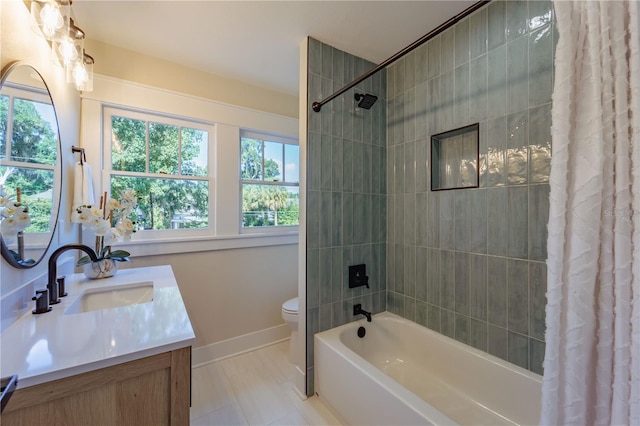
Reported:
(471, 263)
(346, 193)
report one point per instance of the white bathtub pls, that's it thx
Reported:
(401, 373)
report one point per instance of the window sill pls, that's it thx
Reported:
(151, 247)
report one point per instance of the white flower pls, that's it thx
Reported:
(129, 196)
(22, 219)
(125, 228)
(128, 225)
(9, 226)
(100, 226)
(10, 209)
(116, 234)
(95, 211)
(113, 204)
(83, 215)
(15, 217)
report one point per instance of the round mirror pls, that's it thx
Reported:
(30, 166)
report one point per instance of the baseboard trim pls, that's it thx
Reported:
(217, 351)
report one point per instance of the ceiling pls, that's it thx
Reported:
(258, 41)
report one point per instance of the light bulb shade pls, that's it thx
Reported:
(69, 49)
(80, 73)
(50, 18)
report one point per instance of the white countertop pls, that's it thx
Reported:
(45, 347)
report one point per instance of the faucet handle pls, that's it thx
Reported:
(42, 302)
(358, 276)
(61, 287)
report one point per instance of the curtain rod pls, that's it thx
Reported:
(317, 106)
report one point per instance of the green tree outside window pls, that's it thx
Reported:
(174, 202)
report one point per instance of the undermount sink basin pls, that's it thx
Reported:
(112, 297)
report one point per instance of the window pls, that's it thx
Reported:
(270, 172)
(29, 151)
(166, 161)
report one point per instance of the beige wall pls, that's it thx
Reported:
(128, 65)
(229, 293)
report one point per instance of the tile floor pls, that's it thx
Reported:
(255, 388)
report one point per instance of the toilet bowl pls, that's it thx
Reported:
(290, 316)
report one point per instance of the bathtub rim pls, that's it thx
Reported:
(475, 351)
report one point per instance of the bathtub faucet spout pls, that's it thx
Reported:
(357, 310)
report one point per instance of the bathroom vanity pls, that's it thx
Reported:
(114, 351)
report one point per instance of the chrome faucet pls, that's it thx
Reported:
(357, 310)
(51, 279)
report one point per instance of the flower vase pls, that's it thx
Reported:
(103, 268)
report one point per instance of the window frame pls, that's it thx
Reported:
(12, 92)
(266, 137)
(109, 111)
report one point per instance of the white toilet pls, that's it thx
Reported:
(290, 316)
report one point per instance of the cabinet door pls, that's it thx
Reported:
(153, 390)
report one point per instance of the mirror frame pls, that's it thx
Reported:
(56, 192)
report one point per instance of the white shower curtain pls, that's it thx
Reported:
(592, 360)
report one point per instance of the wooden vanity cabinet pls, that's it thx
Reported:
(149, 391)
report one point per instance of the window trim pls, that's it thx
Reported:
(176, 245)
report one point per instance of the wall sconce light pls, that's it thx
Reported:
(52, 20)
(69, 48)
(80, 73)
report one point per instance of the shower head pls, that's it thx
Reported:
(365, 101)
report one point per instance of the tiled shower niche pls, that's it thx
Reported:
(454, 158)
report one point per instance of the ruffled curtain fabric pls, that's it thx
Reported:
(592, 360)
